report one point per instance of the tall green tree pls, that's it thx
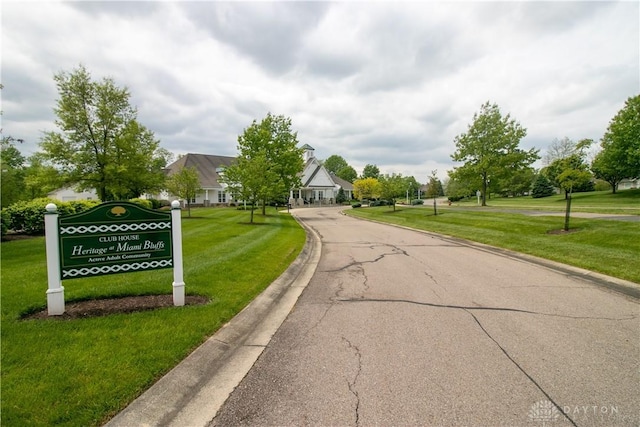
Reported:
(12, 168)
(250, 179)
(100, 144)
(620, 154)
(334, 163)
(370, 171)
(40, 177)
(338, 166)
(490, 148)
(392, 187)
(184, 184)
(273, 148)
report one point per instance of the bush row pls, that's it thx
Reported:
(28, 216)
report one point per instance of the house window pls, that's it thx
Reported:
(320, 194)
(222, 197)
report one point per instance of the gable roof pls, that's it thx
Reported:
(207, 165)
(346, 185)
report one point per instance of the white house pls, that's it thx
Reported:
(210, 169)
(68, 194)
(318, 185)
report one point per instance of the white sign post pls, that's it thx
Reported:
(176, 234)
(55, 293)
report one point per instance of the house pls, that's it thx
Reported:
(68, 194)
(319, 187)
(629, 183)
(210, 169)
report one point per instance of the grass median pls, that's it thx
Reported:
(81, 372)
(606, 246)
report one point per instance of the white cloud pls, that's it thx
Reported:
(385, 83)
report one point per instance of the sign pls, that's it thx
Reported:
(114, 237)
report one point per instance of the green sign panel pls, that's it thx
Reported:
(114, 237)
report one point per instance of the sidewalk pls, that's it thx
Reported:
(193, 392)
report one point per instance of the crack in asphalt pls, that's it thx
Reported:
(395, 251)
(352, 384)
(479, 307)
(517, 365)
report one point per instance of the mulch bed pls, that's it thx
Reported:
(105, 307)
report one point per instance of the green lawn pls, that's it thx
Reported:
(81, 372)
(623, 202)
(605, 246)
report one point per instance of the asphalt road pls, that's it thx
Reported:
(403, 328)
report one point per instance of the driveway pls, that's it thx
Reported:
(399, 327)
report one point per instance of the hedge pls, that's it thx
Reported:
(28, 216)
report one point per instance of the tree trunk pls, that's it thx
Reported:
(567, 213)
(435, 211)
(484, 189)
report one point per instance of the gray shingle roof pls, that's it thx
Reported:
(207, 166)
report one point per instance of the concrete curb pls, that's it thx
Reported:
(192, 393)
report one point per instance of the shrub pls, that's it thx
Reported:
(356, 205)
(28, 216)
(4, 224)
(455, 198)
(155, 203)
(81, 205)
(142, 202)
(417, 202)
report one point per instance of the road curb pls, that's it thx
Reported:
(615, 284)
(192, 392)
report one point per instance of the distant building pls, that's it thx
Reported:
(68, 194)
(628, 183)
(319, 187)
(210, 169)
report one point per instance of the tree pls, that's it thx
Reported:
(138, 163)
(341, 197)
(371, 171)
(40, 177)
(517, 183)
(541, 187)
(184, 184)
(412, 186)
(434, 188)
(250, 179)
(620, 155)
(101, 146)
(272, 161)
(489, 148)
(568, 179)
(559, 149)
(366, 188)
(391, 187)
(334, 163)
(13, 172)
(574, 162)
(338, 166)
(348, 174)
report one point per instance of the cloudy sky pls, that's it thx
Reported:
(384, 83)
